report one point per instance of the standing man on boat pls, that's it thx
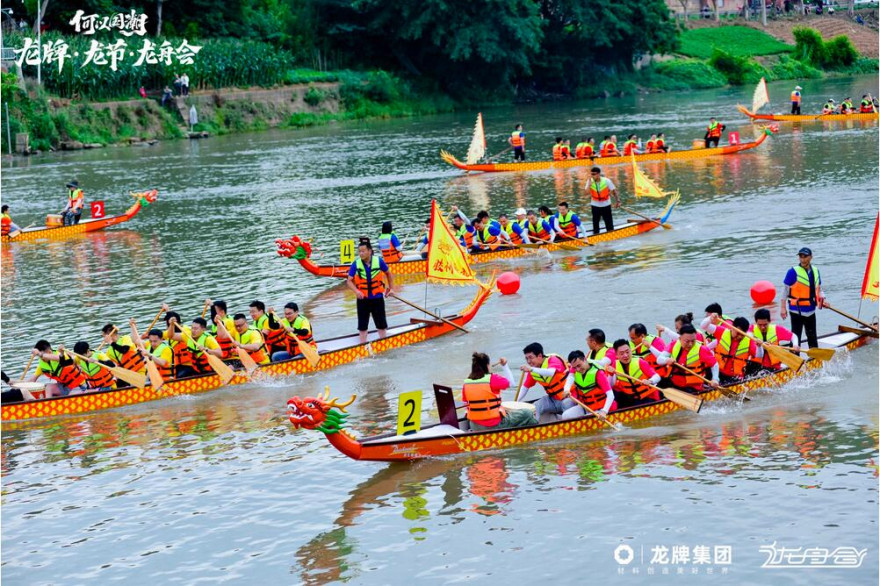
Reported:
(481, 391)
(549, 372)
(6, 223)
(365, 278)
(75, 201)
(796, 100)
(601, 191)
(803, 295)
(713, 132)
(517, 142)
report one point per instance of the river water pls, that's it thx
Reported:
(219, 487)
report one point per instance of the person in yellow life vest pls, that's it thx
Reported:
(516, 232)
(60, 367)
(481, 390)
(366, 277)
(846, 106)
(734, 351)
(549, 372)
(609, 148)
(866, 106)
(6, 223)
(601, 191)
(647, 347)
(714, 308)
(389, 244)
(296, 326)
(713, 132)
(580, 149)
(590, 386)
(160, 353)
(796, 100)
(631, 146)
(539, 228)
(567, 223)
(197, 338)
(182, 356)
(628, 392)
(75, 200)
(250, 340)
(121, 350)
(687, 351)
(651, 144)
(828, 108)
(803, 296)
(601, 351)
(274, 336)
(770, 333)
(224, 339)
(517, 142)
(98, 378)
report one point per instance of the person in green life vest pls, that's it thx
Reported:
(61, 368)
(296, 325)
(366, 277)
(828, 108)
(866, 106)
(846, 106)
(98, 378)
(73, 209)
(713, 133)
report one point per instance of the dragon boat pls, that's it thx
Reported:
(89, 225)
(808, 117)
(451, 436)
(301, 250)
(333, 352)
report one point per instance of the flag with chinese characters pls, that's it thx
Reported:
(642, 184)
(871, 283)
(447, 260)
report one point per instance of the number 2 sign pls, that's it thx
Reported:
(97, 209)
(409, 412)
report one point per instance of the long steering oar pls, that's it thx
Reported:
(681, 398)
(498, 154)
(792, 361)
(221, 368)
(635, 213)
(156, 379)
(425, 311)
(614, 426)
(848, 316)
(131, 377)
(722, 390)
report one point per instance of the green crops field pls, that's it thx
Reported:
(739, 41)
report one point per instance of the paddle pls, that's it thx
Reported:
(519, 386)
(155, 378)
(614, 426)
(562, 244)
(307, 350)
(434, 315)
(15, 233)
(792, 361)
(28, 367)
(681, 398)
(205, 309)
(249, 364)
(113, 331)
(635, 213)
(722, 390)
(131, 377)
(846, 315)
(824, 354)
(222, 369)
(155, 319)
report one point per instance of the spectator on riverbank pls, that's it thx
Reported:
(178, 85)
(167, 96)
(184, 84)
(142, 91)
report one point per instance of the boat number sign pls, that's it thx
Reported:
(97, 209)
(346, 252)
(409, 412)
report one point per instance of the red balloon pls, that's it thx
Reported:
(508, 283)
(763, 292)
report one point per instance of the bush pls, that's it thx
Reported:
(689, 74)
(838, 53)
(737, 70)
(789, 68)
(309, 76)
(864, 65)
(314, 96)
(739, 41)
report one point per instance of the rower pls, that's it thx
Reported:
(6, 223)
(734, 351)
(160, 353)
(580, 151)
(602, 144)
(651, 144)
(481, 391)
(680, 321)
(522, 219)
(713, 132)
(846, 106)
(567, 222)
(250, 340)
(590, 385)
(601, 351)
(660, 145)
(365, 278)
(464, 230)
(296, 325)
(73, 208)
(271, 330)
(539, 229)
(644, 346)
(631, 146)
(695, 356)
(98, 378)
(866, 106)
(489, 233)
(764, 331)
(424, 240)
(627, 391)
(517, 142)
(566, 149)
(515, 231)
(121, 350)
(714, 308)
(228, 334)
(559, 150)
(60, 367)
(601, 190)
(389, 244)
(549, 372)
(199, 336)
(828, 108)
(182, 355)
(610, 148)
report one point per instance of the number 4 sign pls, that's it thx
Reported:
(409, 412)
(346, 252)
(97, 209)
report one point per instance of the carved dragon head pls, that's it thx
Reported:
(294, 247)
(318, 412)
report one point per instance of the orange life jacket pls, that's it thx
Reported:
(199, 359)
(64, 371)
(557, 152)
(537, 231)
(555, 385)
(514, 237)
(586, 152)
(630, 147)
(643, 351)
(182, 356)
(609, 150)
(259, 355)
(482, 402)
(566, 224)
(5, 225)
(298, 323)
(630, 387)
(97, 376)
(517, 139)
(587, 390)
(131, 360)
(651, 146)
(681, 378)
(600, 191)
(800, 293)
(389, 252)
(276, 340)
(566, 151)
(167, 371)
(714, 130)
(659, 145)
(372, 286)
(771, 337)
(732, 361)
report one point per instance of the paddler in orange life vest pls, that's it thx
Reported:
(562, 149)
(695, 356)
(490, 235)
(645, 346)
(60, 367)
(713, 132)
(182, 355)
(296, 326)
(588, 384)
(770, 333)
(7, 224)
(250, 340)
(75, 200)
(866, 106)
(609, 147)
(227, 334)
(550, 373)
(518, 231)
(464, 230)
(365, 278)
(627, 391)
(160, 353)
(631, 146)
(199, 336)
(539, 228)
(601, 351)
(714, 308)
(586, 149)
(481, 391)
(651, 144)
(389, 244)
(517, 141)
(660, 145)
(273, 333)
(567, 223)
(796, 100)
(121, 350)
(601, 191)
(733, 351)
(98, 377)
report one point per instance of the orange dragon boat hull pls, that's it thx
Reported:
(808, 117)
(333, 352)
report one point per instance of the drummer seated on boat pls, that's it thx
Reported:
(550, 373)
(517, 233)
(481, 391)
(6, 223)
(121, 350)
(389, 244)
(297, 326)
(250, 340)
(15, 394)
(627, 391)
(734, 351)
(160, 353)
(770, 333)
(61, 368)
(567, 223)
(587, 384)
(695, 356)
(539, 229)
(98, 378)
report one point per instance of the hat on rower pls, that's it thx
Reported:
(805, 251)
(520, 212)
(73, 184)
(797, 87)
(830, 99)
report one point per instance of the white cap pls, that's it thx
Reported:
(520, 212)
(797, 87)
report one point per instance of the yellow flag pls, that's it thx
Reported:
(447, 260)
(871, 282)
(642, 184)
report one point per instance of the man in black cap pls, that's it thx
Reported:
(75, 200)
(803, 295)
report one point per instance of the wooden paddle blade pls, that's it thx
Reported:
(131, 377)
(793, 361)
(156, 380)
(683, 399)
(222, 369)
(309, 352)
(249, 364)
(824, 354)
